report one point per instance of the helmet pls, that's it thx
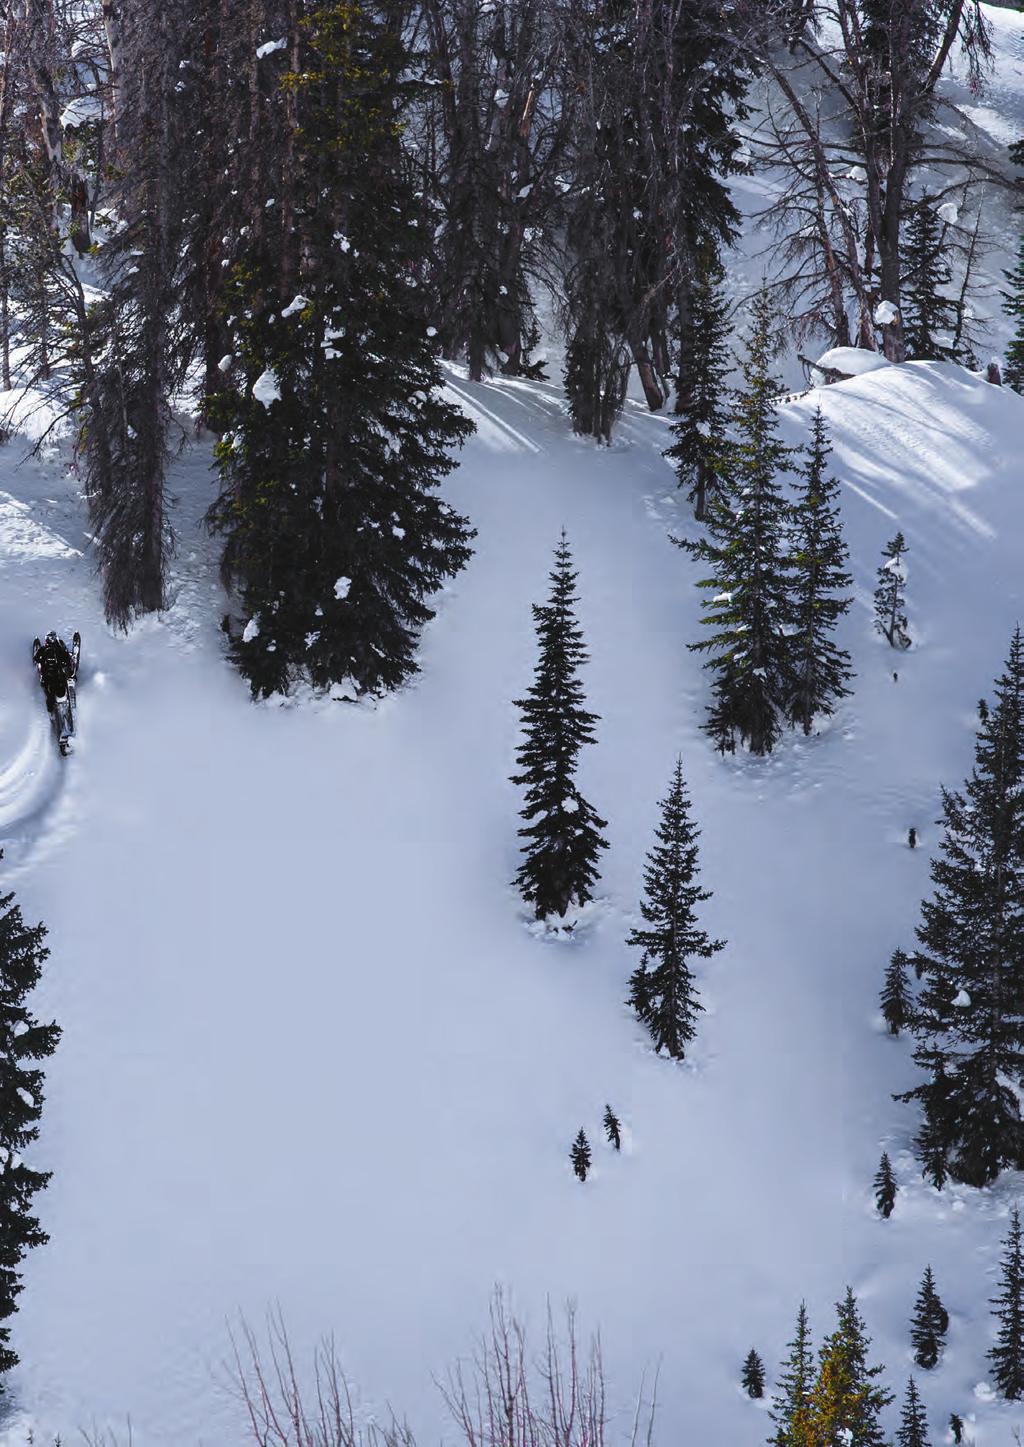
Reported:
(51, 637)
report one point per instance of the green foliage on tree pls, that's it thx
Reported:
(818, 670)
(24, 1044)
(562, 833)
(748, 600)
(335, 440)
(662, 988)
(1007, 1356)
(968, 1023)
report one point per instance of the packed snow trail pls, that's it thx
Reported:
(314, 1055)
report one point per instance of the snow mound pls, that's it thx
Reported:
(854, 361)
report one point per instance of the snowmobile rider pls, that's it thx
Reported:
(57, 665)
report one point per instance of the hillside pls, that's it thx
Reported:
(314, 1055)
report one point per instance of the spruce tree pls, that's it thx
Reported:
(956, 1426)
(929, 1324)
(890, 602)
(844, 1399)
(1007, 1356)
(612, 1128)
(579, 1155)
(753, 1375)
(662, 990)
(885, 1187)
(913, 1428)
(968, 1023)
(335, 442)
(1013, 305)
(896, 999)
(819, 670)
(563, 833)
(701, 417)
(748, 606)
(791, 1404)
(926, 311)
(23, 1044)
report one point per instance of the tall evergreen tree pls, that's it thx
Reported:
(890, 602)
(1013, 305)
(753, 1375)
(662, 990)
(929, 1324)
(885, 1187)
(927, 311)
(612, 1128)
(333, 447)
(791, 1404)
(1007, 1356)
(24, 1043)
(913, 1428)
(819, 669)
(969, 1021)
(563, 833)
(896, 999)
(702, 365)
(579, 1155)
(845, 1398)
(749, 604)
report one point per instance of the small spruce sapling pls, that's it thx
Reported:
(612, 1128)
(929, 1324)
(912, 837)
(1007, 1356)
(956, 1426)
(885, 1187)
(890, 599)
(562, 835)
(913, 1428)
(662, 989)
(896, 999)
(818, 670)
(753, 1375)
(580, 1155)
(791, 1404)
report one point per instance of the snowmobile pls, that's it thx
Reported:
(57, 666)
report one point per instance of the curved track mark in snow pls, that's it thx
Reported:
(493, 431)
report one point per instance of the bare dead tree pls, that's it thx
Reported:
(504, 1397)
(874, 71)
(286, 1407)
(491, 136)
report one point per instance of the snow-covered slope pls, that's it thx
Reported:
(314, 1055)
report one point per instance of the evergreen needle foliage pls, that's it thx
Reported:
(913, 1428)
(929, 1324)
(791, 1404)
(662, 990)
(338, 436)
(845, 1399)
(896, 999)
(819, 670)
(885, 1187)
(579, 1155)
(23, 1044)
(927, 312)
(1013, 305)
(749, 606)
(612, 1128)
(968, 1024)
(890, 600)
(701, 418)
(563, 833)
(1007, 1356)
(753, 1375)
